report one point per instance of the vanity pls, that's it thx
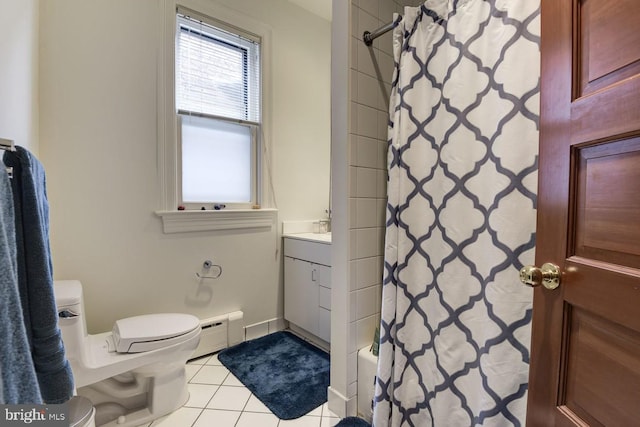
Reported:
(307, 282)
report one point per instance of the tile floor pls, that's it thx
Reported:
(217, 398)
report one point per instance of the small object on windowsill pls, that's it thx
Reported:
(202, 208)
(180, 207)
(218, 207)
(255, 207)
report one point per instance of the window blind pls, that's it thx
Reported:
(218, 72)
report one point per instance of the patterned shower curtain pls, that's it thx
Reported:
(463, 144)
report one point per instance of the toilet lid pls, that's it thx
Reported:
(161, 328)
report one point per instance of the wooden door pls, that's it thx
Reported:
(585, 358)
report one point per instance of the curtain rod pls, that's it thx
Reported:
(368, 37)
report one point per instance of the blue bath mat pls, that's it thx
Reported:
(287, 374)
(353, 422)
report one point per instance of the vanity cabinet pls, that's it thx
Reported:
(307, 285)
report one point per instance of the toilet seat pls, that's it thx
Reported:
(152, 331)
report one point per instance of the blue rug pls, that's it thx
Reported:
(287, 374)
(352, 422)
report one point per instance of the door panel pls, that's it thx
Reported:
(603, 370)
(585, 351)
(608, 208)
(607, 42)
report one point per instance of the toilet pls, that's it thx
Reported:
(133, 374)
(81, 412)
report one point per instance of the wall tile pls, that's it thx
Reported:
(353, 337)
(370, 6)
(352, 244)
(353, 181)
(365, 329)
(353, 84)
(366, 22)
(367, 121)
(352, 390)
(366, 182)
(383, 125)
(353, 150)
(352, 367)
(353, 306)
(381, 184)
(383, 149)
(365, 58)
(353, 213)
(353, 57)
(386, 10)
(385, 41)
(381, 211)
(381, 239)
(366, 300)
(380, 266)
(367, 152)
(366, 213)
(385, 63)
(367, 242)
(355, 12)
(353, 275)
(367, 90)
(367, 272)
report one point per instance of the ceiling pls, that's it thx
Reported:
(321, 8)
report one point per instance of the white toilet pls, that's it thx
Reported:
(133, 374)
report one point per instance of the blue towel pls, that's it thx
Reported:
(19, 382)
(35, 276)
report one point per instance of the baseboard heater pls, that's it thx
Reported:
(219, 333)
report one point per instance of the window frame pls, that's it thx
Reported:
(233, 217)
(187, 21)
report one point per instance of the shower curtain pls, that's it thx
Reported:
(463, 144)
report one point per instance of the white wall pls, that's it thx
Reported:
(19, 72)
(98, 127)
(301, 102)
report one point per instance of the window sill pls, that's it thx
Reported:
(232, 219)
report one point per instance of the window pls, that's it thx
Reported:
(217, 87)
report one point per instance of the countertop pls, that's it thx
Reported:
(311, 237)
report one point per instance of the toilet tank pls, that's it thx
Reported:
(68, 293)
(71, 320)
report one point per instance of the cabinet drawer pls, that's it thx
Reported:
(324, 297)
(324, 324)
(310, 251)
(324, 275)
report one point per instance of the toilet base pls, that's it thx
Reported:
(135, 398)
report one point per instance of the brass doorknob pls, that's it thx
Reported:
(547, 276)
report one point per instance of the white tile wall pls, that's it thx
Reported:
(370, 79)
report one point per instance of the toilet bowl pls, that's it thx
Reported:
(133, 374)
(81, 412)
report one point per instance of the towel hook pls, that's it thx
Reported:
(207, 265)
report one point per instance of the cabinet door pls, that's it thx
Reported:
(301, 294)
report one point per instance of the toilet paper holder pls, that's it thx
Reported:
(206, 266)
